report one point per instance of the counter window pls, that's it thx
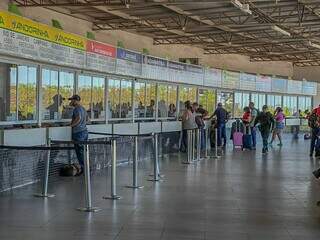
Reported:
(120, 98)
(187, 94)
(144, 100)
(241, 100)
(91, 91)
(304, 103)
(207, 99)
(274, 101)
(18, 96)
(259, 100)
(167, 99)
(290, 105)
(57, 87)
(226, 98)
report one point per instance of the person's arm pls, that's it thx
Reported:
(76, 118)
(256, 120)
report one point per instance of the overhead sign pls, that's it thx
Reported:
(263, 83)
(101, 57)
(247, 81)
(294, 87)
(176, 71)
(279, 85)
(212, 77)
(155, 68)
(194, 74)
(128, 62)
(230, 79)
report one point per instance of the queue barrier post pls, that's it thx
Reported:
(135, 165)
(198, 134)
(87, 180)
(44, 193)
(156, 172)
(194, 145)
(216, 144)
(207, 137)
(113, 195)
(189, 147)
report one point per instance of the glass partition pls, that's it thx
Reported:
(290, 105)
(18, 92)
(207, 99)
(274, 101)
(304, 103)
(167, 99)
(226, 98)
(120, 98)
(259, 100)
(241, 100)
(186, 94)
(91, 91)
(144, 100)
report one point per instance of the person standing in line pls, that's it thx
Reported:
(201, 113)
(266, 123)
(188, 123)
(254, 114)
(79, 127)
(314, 124)
(277, 131)
(222, 118)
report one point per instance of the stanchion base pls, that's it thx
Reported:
(40, 195)
(159, 175)
(155, 180)
(135, 187)
(112, 198)
(92, 209)
(187, 163)
(216, 157)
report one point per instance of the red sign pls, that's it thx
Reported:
(102, 49)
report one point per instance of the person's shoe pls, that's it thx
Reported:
(79, 173)
(280, 144)
(264, 151)
(316, 173)
(253, 148)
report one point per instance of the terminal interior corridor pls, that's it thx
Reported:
(242, 195)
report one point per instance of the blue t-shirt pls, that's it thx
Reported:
(221, 114)
(81, 112)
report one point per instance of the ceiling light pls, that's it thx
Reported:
(315, 45)
(243, 7)
(280, 30)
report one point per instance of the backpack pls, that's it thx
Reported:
(70, 170)
(313, 120)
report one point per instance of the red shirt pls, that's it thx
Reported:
(246, 118)
(317, 111)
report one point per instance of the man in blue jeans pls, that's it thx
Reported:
(222, 117)
(254, 114)
(79, 127)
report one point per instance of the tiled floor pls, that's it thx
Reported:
(243, 195)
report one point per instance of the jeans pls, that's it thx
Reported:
(314, 136)
(79, 148)
(222, 134)
(254, 136)
(184, 141)
(203, 139)
(265, 136)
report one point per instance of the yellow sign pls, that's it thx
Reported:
(28, 27)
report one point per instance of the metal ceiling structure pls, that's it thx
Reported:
(264, 30)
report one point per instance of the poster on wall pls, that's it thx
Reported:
(247, 81)
(212, 77)
(294, 87)
(263, 83)
(101, 57)
(194, 74)
(310, 88)
(279, 85)
(155, 68)
(25, 38)
(176, 71)
(230, 79)
(128, 62)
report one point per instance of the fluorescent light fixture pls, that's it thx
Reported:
(280, 30)
(243, 7)
(315, 45)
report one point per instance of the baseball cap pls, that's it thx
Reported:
(75, 97)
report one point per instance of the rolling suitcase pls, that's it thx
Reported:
(237, 137)
(247, 138)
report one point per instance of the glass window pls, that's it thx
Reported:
(18, 92)
(226, 98)
(114, 98)
(167, 98)
(126, 99)
(207, 99)
(150, 100)
(304, 103)
(140, 99)
(274, 101)
(187, 94)
(66, 90)
(91, 91)
(57, 87)
(259, 100)
(241, 100)
(290, 105)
